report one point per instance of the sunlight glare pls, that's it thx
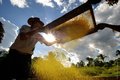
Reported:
(91, 45)
(49, 37)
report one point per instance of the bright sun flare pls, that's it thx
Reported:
(49, 37)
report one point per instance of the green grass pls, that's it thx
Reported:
(51, 69)
(111, 72)
(101, 71)
(91, 71)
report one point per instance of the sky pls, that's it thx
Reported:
(14, 14)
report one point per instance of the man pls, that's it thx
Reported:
(1, 32)
(19, 57)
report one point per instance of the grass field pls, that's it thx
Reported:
(51, 69)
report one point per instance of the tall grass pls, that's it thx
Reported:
(51, 69)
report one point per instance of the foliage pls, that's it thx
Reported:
(80, 64)
(112, 2)
(1, 31)
(51, 69)
(91, 71)
(3, 54)
(111, 72)
(90, 61)
(117, 52)
(117, 62)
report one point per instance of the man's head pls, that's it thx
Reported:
(35, 22)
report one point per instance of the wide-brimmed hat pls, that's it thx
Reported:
(32, 20)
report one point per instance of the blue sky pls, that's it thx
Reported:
(15, 13)
(18, 13)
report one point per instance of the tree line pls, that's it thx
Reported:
(100, 61)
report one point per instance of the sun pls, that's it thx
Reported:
(49, 37)
(91, 45)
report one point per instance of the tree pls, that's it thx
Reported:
(80, 64)
(117, 61)
(90, 61)
(112, 2)
(99, 61)
(3, 55)
(1, 32)
(109, 64)
(94, 1)
(101, 57)
(118, 53)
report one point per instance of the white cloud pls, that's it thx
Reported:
(0, 1)
(67, 5)
(83, 1)
(59, 2)
(48, 3)
(19, 3)
(65, 9)
(63, 4)
(10, 33)
(102, 42)
(72, 1)
(108, 14)
(71, 4)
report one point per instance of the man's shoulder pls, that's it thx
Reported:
(25, 28)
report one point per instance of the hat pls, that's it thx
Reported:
(32, 20)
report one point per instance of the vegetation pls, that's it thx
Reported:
(112, 2)
(50, 68)
(3, 54)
